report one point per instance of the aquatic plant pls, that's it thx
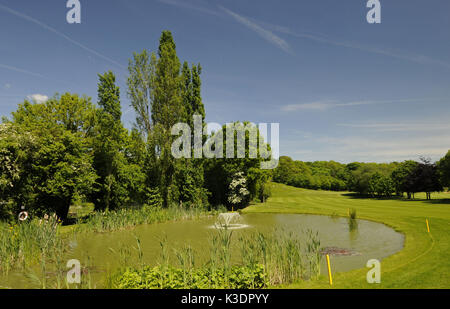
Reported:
(130, 217)
(28, 243)
(352, 222)
(314, 253)
(265, 259)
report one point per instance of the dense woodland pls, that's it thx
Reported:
(69, 149)
(372, 179)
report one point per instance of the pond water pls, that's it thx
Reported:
(368, 240)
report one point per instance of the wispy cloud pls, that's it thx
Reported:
(403, 55)
(60, 34)
(318, 106)
(189, 5)
(38, 98)
(388, 146)
(401, 127)
(266, 30)
(329, 104)
(264, 33)
(19, 70)
(267, 35)
(27, 72)
(380, 147)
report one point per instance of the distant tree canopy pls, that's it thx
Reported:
(69, 149)
(444, 170)
(318, 175)
(373, 179)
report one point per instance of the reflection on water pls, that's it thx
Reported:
(369, 239)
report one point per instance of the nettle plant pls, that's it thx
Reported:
(238, 191)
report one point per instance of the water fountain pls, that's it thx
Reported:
(229, 221)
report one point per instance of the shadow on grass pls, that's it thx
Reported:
(397, 198)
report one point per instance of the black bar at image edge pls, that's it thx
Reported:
(225, 298)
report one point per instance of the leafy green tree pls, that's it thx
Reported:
(167, 110)
(140, 89)
(426, 178)
(219, 171)
(118, 177)
(380, 185)
(402, 178)
(162, 95)
(362, 173)
(189, 173)
(62, 171)
(167, 107)
(58, 167)
(16, 162)
(444, 169)
(285, 171)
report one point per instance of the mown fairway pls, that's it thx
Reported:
(423, 263)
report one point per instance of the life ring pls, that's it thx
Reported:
(23, 216)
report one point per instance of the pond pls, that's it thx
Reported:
(350, 246)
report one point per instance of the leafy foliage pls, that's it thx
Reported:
(118, 174)
(444, 169)
(373, 179)
(159, 277)
(220, 170)
(55, 165)
(312, 175)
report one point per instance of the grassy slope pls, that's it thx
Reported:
(423, 263)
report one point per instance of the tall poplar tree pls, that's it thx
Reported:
(167, 110)
(190, 172)
(164, 93)
(140, 89)
(118, 175)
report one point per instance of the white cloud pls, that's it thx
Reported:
(38, 98)
(15, 69)
(8, 86)
(401, 127)
(186, 5)
(364, 147)
(328, 104)
(318, 105)
(265, 34)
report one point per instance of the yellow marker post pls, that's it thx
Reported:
(329, 270)
(428, 226)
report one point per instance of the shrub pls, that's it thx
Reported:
(159, 277)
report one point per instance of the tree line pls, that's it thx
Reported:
(372, 179)
(69, 149)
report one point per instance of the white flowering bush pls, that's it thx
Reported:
(238, 192)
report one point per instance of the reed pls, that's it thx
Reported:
(352, 222)
(129, 217)
(29, 243)
(314, 253)
(270, 259)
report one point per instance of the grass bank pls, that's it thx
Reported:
(423, 263)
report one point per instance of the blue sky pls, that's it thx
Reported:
(341, 89)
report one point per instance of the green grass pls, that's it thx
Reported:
(424, 261)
